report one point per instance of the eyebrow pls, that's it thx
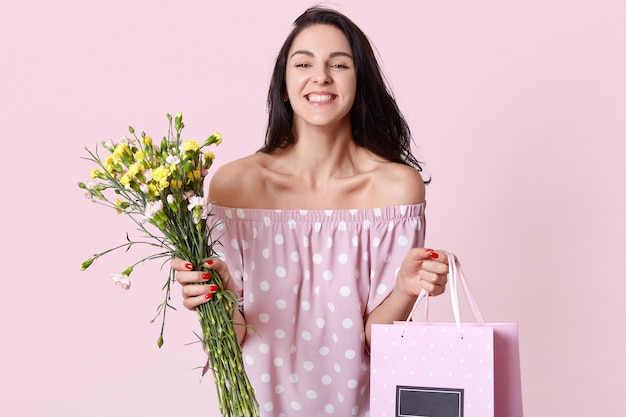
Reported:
(311, 54)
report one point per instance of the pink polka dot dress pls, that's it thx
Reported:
(308, 279)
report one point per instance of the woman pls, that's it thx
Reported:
(323, 228)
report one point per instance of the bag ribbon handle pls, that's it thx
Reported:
(455, 274)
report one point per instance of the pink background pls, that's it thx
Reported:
(518, 108)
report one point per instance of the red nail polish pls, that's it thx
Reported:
(213, 287)
(434, 255)
(188, 266)
(209, 262)
(429, 250)
(206, 275)
(208, 296)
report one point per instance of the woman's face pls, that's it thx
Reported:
(320, 77)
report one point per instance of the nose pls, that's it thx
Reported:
(322, 76)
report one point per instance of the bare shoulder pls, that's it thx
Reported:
(232, 181)
(399, 184)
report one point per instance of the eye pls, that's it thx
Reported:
(302, 65)
(339, 66)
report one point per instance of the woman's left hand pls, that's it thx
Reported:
(423, 269)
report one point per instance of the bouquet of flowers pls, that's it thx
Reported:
(161, 188)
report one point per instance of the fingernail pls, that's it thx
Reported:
(434, 255)
(429, 250)
(209, 262)
(213, 287)
(206, 275)
(208, 296)
(188, 266)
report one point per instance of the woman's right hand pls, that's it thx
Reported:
(188, 277)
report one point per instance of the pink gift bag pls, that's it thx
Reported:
(455, 369)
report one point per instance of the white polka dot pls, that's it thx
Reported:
(344, 291)
(355, 411)
(255, 232)
(267, 221)
(327, 380)
(321, 323)
(390, 225)
(311, 395)
(317, 226)
(279, 333)
(251, 297)
(340, 397)
(347, 323)
(337, 368)
(403, 241)
(318, 258)
(350, 354)
(229, 213)
(296, 288)
(353, 383)
(376, 242)
(249, 360)
(324, 350)
(306, 335)
(292, 224)
(266, 253)
(296, 405)
(403, 210)
(265, 378)
(278, 361)
(304, 212)
(355, 241)
(265, 286)
(329, 242)
(328, 213)
(307, 274)
(279, 389)
(331, 307)
(305, 305)
(281, 272)
(343, 259)
(329, 408)
(234, 244)
(381, 289)
(327, 275)
(279, 239)
(335, 338)
(295, 256)
(264, 348)
(387, 258)
(293, 378)
(308, 365)
(366, 224)
(264, 317)
(268, 406)
(342, 226)
(281, 304)
(378, 212)
(305, 242)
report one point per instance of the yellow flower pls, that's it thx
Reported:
(218, 138)
(147, 140)
(95, 173)
(118, 203)
(190, 145)
(109, 163)
(160, 174)
(153, 190)
(120, 150)
(209, 156)
(125, 181)
(194, 175)
(176, 184)
(140, 155)
(133, 170)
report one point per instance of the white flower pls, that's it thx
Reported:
(109, 145)
(91, 184)
(121, 280)
(144, 188)
(195, 201)
(170, 198)
(188, 194)
(152, 208)
(147, 174)
(173, 159)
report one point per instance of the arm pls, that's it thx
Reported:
(421, 268)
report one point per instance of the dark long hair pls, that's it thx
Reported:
(377, 123)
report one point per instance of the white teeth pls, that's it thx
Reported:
(318, 98)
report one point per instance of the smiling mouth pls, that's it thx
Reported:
(320, 98)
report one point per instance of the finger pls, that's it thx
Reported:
(178, 264)
(439, 256)
(191, 277)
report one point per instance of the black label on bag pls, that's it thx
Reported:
(428, 402)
